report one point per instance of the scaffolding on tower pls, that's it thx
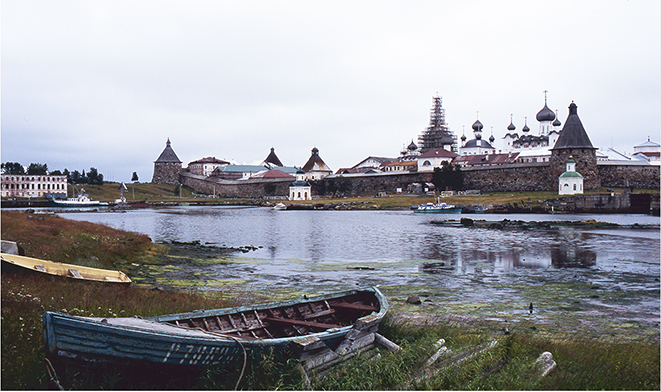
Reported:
(437, 134)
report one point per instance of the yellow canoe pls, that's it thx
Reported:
(65, 270)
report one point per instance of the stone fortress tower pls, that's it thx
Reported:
(574, 142)
(167, 167)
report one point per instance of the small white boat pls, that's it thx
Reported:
(438, 207)
(82, 200)
(280, 206)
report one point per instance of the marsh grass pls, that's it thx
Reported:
(66, 241)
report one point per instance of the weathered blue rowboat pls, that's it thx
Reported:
(212, 337)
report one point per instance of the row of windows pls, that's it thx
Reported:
(42, 179)
(32, 186)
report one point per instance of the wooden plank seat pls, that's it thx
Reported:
(301, 323)
(354, 306)
(319, 314)
(236, 332)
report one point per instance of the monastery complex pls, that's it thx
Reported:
(557, 156)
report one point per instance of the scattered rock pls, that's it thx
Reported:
(414, 300)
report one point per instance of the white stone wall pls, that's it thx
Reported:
(29, 185)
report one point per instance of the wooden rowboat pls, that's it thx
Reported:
(214, 337)
(23, 263)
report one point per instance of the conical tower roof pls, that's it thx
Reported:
(573, 134)
(315, 162)
(168, 155)
(273, 159)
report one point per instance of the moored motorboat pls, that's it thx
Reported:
(213, 337)
(280, 206)
(438, 207)
(82, 200)
(25, 264)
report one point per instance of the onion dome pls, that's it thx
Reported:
(412, 146)
(477, 126)
(447, 139)
(463, 138)
(556, 122)
(525, 127)
(511, 127)
(491, 138)
(545, 114)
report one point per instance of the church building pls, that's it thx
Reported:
(571, 181)
(533, 147)
(300, 189)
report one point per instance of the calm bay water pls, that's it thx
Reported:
(608, 272)
(391, 236)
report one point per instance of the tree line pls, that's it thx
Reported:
(92, 177)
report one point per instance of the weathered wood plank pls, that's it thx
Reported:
(382, 341)
(353, 306)
(302, 323)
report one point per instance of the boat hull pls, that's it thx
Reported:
(438, 210)
(63, 203)
(78, 272)
(158, 340)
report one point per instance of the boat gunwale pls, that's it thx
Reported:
(248, 308)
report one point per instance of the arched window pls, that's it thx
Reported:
(426, 163)
(574, 186)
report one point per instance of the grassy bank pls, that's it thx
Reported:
(581, 363)
(156, 193)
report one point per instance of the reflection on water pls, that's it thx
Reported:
(395, 236)
(572, 257)
(506, 260)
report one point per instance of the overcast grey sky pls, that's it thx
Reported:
(105, 83)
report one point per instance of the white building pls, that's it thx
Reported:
(206, 166)
(31, 185)
(300, 189)
(434, 158)
(649, 151)
(571, 181)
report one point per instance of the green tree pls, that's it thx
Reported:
(38, 169)
(94, 177)
(448, 177)
(13, 168)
